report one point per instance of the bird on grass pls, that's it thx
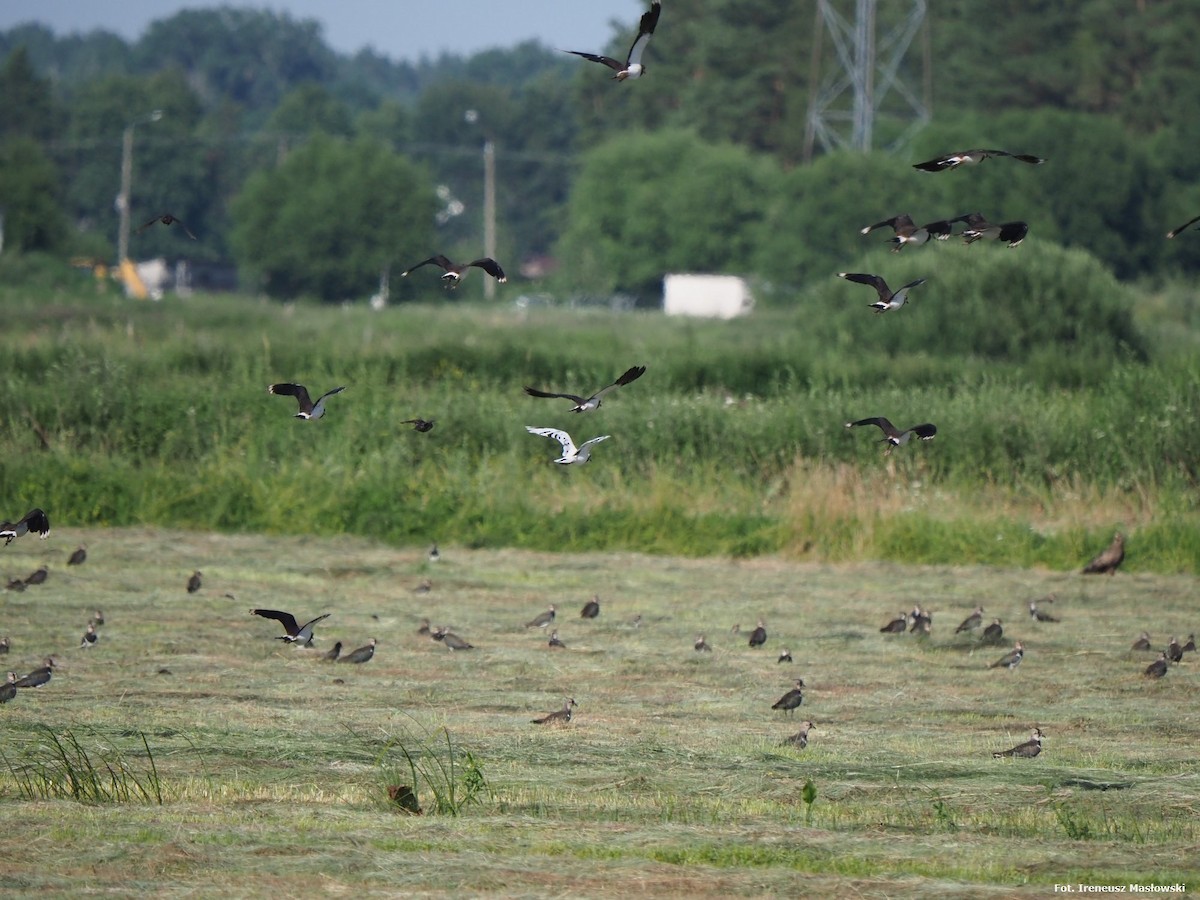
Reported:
(35, 520)
(1190, 645)
(166, 219)
(893, 436)
(89, 638)
(421, 425)
(38, 576)
(1010, 660)
(451, 640)
(308, 409)
(632, 66)
(897, 625)
(1038, 616)
(1158, 668)
(423, 628)
(78, 557)
(5, 644)
(972, 157)
(800, 738)
(758, 636)
(1143, 642)
(888, 299)
(994, 633)
(785, 656)
(971, 622)
(1189, 222)
(424, 587)
(1027, 750)
(301, 635)
(793, 698)
(455, 272)
(8, 690)
(555, 642)
(362, 654)
(591, 609)
(1110, 560)
(570, 453)
(38, 677)
(584, 404)
(1174, 650)
(334, 652)
(558, 717)
(922, 621)
(434, 555)
(193, 583)
(701, 645)
(15, 584)
(542, 619)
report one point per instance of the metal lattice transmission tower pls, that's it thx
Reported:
(845, 99)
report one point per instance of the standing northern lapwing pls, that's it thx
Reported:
(632, 66)
(38, 677)
(451, 640)
(418, 424)
(591, 609)
(583, 404)
(542, 619)
(570, 453)
(972, 157)
(785, 656)
(5, 644)
(793, 698)
(194, 583)
(1143, 642)
(897, 625)
(1189, 645)
(38, 576)
(166, 219)
(434, 555)
(362, 654)
(558, 717)
(922, 621)
(1189, 222)
(893, 435)
(89, 638)
(78, 557)
(1027, 750)
(888, 299)
(800, 738)
(1174, 650)
(994, 633)
(555, 641)
(334, 652)
(971, 622)
(758, 636)
(701, 645)
(8, 690)
(301, 635)
(308, 409)
(1038, 616)
(1158, 668)
(1011, 659)
(455, 272)
(1110, 560)
(35, 520)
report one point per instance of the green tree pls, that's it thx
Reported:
(33, 218)
(331, 218)
(309, 108)
(29, 107)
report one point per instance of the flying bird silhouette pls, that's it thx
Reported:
(1186, 224)
(35, 520)
(308, 409)
(421, 425)
(583, 404)
(888, 299)
(455, 272)
(893, 435)
(296, 633)
(167, 219)
(570, 453)
(972, 157)
(632, 66)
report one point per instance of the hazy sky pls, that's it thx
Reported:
(401, 29)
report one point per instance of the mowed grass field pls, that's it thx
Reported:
(273, 764)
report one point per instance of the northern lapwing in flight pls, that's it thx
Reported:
(905, 231)
(558, 717)
(980, 229)
(591, 609)
(1187, 224)
(1038, 616)
(571, 455)
(308, 409)
(362, 654)
(800, 738)
(785, 656)
(79, 557)
(455, 272)
(1158, 668)
(194, 583)
(793, 698)
(1028, 750)
(421, 425)
(167, 219)
(632, 66)
(451, 640)
(89, 638)
(971, 622)
(1010, 660)
(542, 619)
(972, 157)
(1109, 561)
(555, 641)
(701, 645)
(301, 635)
(893, 435)
(8, 690)
(583, 404)
(1143, 642)
(888, 299)
(38, 576)
(897, 625)
(758, 636)
(35, 520)
(994, 633)
(38, 677)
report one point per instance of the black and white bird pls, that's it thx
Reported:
(1010, 660)
(994, 633)
(1027, 750)
(979, 229)
(758, 636)
(434, 555)
(79, 557)
(905, 231)
(583, 404)
(793, 698)
(1143, 642)
(1038, 616)
(35, 520)
(301, 635)
(334, 652)
(971, 622)
(362, 654)
(555, 641)
(701, 645)
(89, 638)
(1188, 223)
(1110, 560)
(893, 435)
(455, 272)
(1174, 650)
(421, 425)
(451, 640)
(194, 583)
(38, 576)
(785, 656)
(800, 738)
(166, 219)
(591, 609)
(38, 677)
(1158, 668)
(897, 625)
(542, 619)
(888, 299)
(571, 454)
(632, 66)
(558, 717)
(308, 409)
(972, 157)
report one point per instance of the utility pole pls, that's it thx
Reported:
(489, 212)
(127, 183)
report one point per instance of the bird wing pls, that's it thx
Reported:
(299, 391)
(438, 260)
(285, 618)
(1176, 231)
(336, 390)
(595, 440)
(562, 437)
(887, 427)
(646, 28)
(534, 392)
(941, 229)
(925, 432)
(1013, 233)
(615, 64)
(873, 280)
(37, 520)
(1027, 158)
(912, 284)
(631, 374)
(186, 230)
(307, 626)
(490, 266)
(143, 227)
(939, 163)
